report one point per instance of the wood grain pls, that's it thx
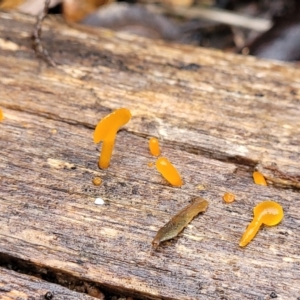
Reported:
(217, 117)
(225, 111)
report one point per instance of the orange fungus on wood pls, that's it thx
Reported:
(268, 213)
(259, 178)
(168, 171)
(1, 115)
(97, 180)
(154, 146)
(228, 197)
(106, 131)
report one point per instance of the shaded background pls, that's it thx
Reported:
(264, 28)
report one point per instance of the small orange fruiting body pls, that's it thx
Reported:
(228, 197)
(268, 213)
(154, 146)
(97, 180)
(106, 131)
(259, 178)
(150, 164)
(1, 115)
(168, 171)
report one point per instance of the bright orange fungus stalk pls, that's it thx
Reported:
(1, 115)
(268, 213)
(154, 146)
(259, 178)
(168, 171)
(106, 132)
(228, 197)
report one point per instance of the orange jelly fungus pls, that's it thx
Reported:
(228, 197)
(150, 164)
(268, 213)
(154, 146)
(259, 178)
(1, 115)
(106, 132)
(168, 171)
(97, 181)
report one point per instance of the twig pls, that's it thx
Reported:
(37, 32)
(216, 15)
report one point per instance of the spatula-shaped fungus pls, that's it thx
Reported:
(106, 132)
(268, 213)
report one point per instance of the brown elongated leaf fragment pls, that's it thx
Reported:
(180, 221)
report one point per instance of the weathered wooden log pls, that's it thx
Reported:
(218, 116)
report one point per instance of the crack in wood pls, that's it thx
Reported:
(50, 275)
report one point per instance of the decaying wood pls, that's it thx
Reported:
(217, 116)
(16, 286)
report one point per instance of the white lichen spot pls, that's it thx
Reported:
(288, 259)
(287, 126)
(60, 164)
(242, 150)
(183, 249)
(8, 45)
(99, 201)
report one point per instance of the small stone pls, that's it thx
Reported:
(201, 187)
(273, 295)
(48, 296)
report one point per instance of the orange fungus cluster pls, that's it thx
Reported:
(267, 213)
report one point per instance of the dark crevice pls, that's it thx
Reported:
(50, 116)
(64, 278)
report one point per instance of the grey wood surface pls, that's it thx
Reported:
(217, 116)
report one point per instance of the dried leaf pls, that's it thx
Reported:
(135, 19)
